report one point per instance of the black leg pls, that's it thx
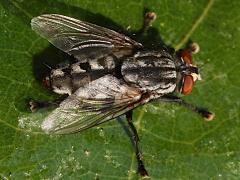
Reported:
(35, 105)
(149, 18)
(201, 111)
(141, 169)
(193, 47)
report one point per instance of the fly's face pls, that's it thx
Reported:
(188, 72)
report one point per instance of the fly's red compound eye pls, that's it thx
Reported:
(187, 84)
(186, 56)
(46, 82)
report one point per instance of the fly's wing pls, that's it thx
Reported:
(81, 39)
(93, 104)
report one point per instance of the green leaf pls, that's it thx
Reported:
(176, 143)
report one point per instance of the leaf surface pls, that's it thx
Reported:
(176, 143)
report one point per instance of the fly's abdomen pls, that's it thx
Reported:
(68, 79)
(69, 83)
(151, 71)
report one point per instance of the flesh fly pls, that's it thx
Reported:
(111, 76)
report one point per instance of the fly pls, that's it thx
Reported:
(112, 75)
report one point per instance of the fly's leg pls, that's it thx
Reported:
(193, 47)
(141, 169)
(201, 111)
(149, 18)
(35, 105)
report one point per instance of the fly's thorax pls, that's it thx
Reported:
(151, 71)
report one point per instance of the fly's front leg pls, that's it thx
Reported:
(149, 18)
(141, 169)
(191, 48)
(201, 111)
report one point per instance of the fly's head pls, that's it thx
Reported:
(188, 72)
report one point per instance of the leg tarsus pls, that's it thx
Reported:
(142, 171)
(149, 18)
(35, 105)
(141, 168)
(208, 116)
(193, 47)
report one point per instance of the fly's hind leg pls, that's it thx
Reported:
(141, 169)
(35, 105)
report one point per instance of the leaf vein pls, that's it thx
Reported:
(195, 25)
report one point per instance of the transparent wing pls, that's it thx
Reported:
(82, 39)
(97, 102)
